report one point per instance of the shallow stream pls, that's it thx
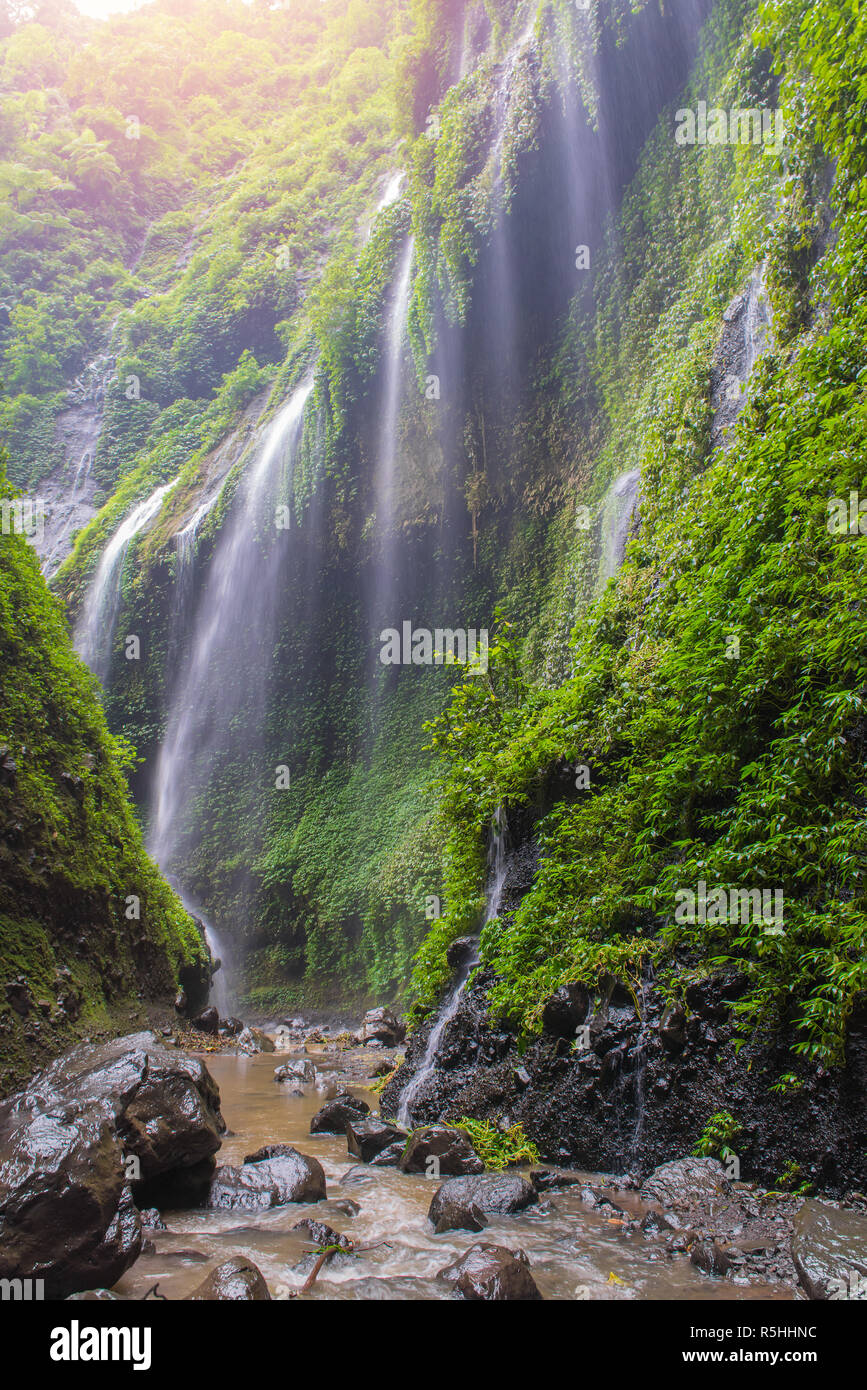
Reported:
(574, 1253)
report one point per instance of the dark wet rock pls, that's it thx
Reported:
(232, 1027)
(461, 952)
(438, 1149)
(829, 1250)
(382, 1068)
(66, 1209)
(367, 1138)
(492, 1273)
(181, 1002)
(181, 1187)
(151, 1220)
(19, 995)
(345, 1206)
(253, 1040)
(300, 1069)
(270, 1177)
(332, 1118)
(672, 1028)
(237, 1280)
(655, 1099)
(390, 1156)
(208, 1021)
(466, 1203)
(381, 1025)
(566, 1010)
(546, 1179)
(688, 1185)
(711, 1257)
(321, 1235)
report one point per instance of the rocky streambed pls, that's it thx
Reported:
(136, 1169)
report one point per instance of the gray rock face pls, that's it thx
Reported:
(492, 1273)
(237, 1280)
(829, 1250)
(442, 1150)
(66, 1206)
(380, 1025)
(466, 1203)
(271, 1177)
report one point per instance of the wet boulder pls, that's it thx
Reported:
(208, 1021)
(232, 1027)
(466, 1203)
(381, 1025)
(322, 1236)
(390, 1156)
(66, 1207)
(271, 1177)
(565, 1010)
(151, 1219)
(253, 1040)
(439, 1149)
(829, 1251)
(367, 1138)
(461, 951)
(672, 1029)
(492, 1273)
(711, 1257)
(237, 1280)
(301, 1069)
(332, 1118)
(689, 1186)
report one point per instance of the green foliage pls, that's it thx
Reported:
(735, 771)
(718, 1136)
(71, 854)
(499, 1148)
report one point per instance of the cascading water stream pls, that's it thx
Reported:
(236, 608)
(386, 451)
(451, 1003)
(617, 511)
(94, 631)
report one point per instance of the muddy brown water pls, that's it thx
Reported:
(573, 1252)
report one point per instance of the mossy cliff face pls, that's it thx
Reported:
(90, 935)
(710, 737)
(328, 889)
(598, 314)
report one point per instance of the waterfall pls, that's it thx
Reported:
(617, 510)
(233, 623)
(496, 879)
(386, 449)
(391, 192)
(94, 631)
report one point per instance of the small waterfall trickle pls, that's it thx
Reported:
(94, 631)
(234, 617)
(496, 882)
(617, 512)
(386, 446)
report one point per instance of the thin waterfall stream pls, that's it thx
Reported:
(94, 631)
(497, 856)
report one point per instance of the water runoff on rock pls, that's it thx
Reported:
(496, 882)
(94, 631)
